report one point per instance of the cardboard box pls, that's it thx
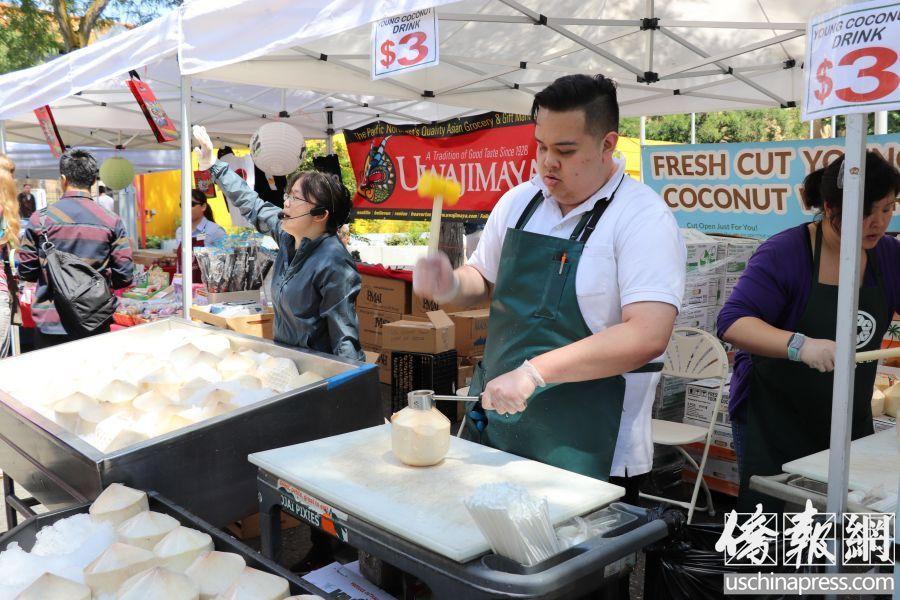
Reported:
(734, 251)
(701, 290)
(371, 322)
(720, 468)
(701, 317)
(382, 358)
(471, 331)
(421, 306)
(699, 400)
(720, 475)
(722, 436)
(436, 335)
(726, 286)
(702, 249)
(384, 294)
(696, 451)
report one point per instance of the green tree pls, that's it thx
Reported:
(36, 30)
(762, 125)
(26, 36)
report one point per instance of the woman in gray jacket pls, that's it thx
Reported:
(314, 282)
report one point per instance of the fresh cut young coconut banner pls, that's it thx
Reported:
(487, 154)
(746, 189)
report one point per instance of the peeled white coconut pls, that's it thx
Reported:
(213, 343)
(66, 411)
(206, 358)
(118, 503)
(52, 587)
(158, 583)
(184, 354)
(257, 357)
(91, 415)
(146, 529)
(307, 378)
(882, 382)
(256, 585)
(206, 372)
(115, 566)
(181, 547)
(190, 388)
(278, 373)
(118, 431)
(892, 400)
(125, 438)
(164, 380)
(245, 381)
(118, 391)
(236, 365)
(877, 402)
(151, 401)
(135, 366)
(214, 572)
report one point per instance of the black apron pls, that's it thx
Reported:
(789, 408)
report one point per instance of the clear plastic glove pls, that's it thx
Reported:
(434, 279)
(204, 148)
(818, 354)
(509, 393)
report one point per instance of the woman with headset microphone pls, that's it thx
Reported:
(314, 282)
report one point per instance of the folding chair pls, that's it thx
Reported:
(692, 354)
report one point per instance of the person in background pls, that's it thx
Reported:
(9, 238)
(781, 317)
(27, 203)
(76, 224)
(203, 224)
(105, 200)
(314, 281)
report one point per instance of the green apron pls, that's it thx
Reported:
(789, 407)
(534, 309)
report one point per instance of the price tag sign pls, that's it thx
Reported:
(404, 43)
(852, 61)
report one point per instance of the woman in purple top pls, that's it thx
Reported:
(782, 315)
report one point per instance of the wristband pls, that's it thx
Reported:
(533, 374)
(794, 345)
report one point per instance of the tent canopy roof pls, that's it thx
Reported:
(252, 60)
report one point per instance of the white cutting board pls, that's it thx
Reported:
(357, 473)
(874, 461)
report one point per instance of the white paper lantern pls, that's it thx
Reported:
(117, 173)
(277, 148)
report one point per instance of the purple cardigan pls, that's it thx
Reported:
(775, 288)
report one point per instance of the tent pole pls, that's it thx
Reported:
(848, 299)
(2, 137)
(881, 122)
(693, 128)
(811, 129)
(187, 172)
(833, 126)
(329, 133)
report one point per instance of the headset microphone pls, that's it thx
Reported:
(317, 211)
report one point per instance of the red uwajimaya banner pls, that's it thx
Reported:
(487, 154)
(162, 126)
(48, 126)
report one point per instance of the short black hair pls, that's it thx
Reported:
(79, 168)
(101, 189)
(824, 187)
(325, 190)
(595, 95)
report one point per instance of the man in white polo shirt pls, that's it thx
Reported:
(586, 266)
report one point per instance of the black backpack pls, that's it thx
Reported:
(80, 293)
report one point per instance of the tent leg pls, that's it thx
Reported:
(848, 299)
(2, 137)
(187, 172)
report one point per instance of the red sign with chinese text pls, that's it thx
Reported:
(51, 132)
(162, 126)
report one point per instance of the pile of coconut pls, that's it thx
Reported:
(123, 550)
(129, 396)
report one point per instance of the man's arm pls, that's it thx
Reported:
(29, 261)
(641, 337)
(121, 264)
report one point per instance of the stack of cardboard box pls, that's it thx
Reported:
(701, 290)
(381, 300)
(721, 472)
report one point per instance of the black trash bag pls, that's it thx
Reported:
(687, 566)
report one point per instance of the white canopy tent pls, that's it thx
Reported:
(495, 54)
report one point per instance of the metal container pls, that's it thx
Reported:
(202, 467)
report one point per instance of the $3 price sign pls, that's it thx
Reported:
(412, 46)
(860, 59)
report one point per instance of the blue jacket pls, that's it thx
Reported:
(314, 287)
